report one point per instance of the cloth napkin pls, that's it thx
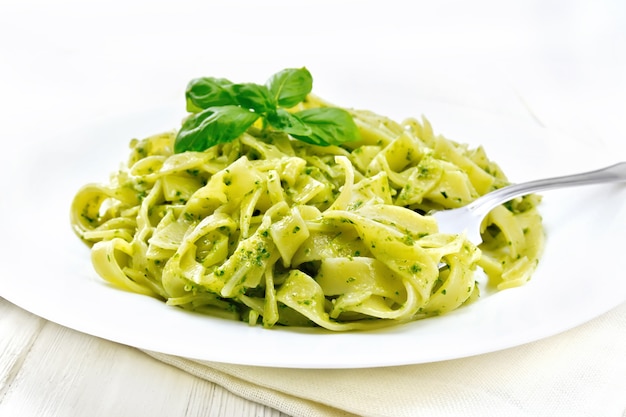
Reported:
(581, 372)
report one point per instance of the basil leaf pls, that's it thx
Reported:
(205, 92)
(212, 126)
(329, 126)
(288, 123)
(222, 111)
(290, 86)
(253, 97)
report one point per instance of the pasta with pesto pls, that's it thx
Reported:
(271, 230)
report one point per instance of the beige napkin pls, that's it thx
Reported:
(581, 372)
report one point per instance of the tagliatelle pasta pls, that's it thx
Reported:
(271, 230)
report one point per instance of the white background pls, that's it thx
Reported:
(562, 62)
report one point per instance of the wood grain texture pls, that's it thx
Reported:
(49, 370)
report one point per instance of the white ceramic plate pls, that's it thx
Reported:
(45, 269)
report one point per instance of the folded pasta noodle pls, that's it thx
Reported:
(270, 230)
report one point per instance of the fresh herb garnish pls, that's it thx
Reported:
(221, 111)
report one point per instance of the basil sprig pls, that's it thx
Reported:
(222, 110)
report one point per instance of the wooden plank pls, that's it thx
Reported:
(49, 370)
(18, 331)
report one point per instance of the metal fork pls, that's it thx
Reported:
(469, 218)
